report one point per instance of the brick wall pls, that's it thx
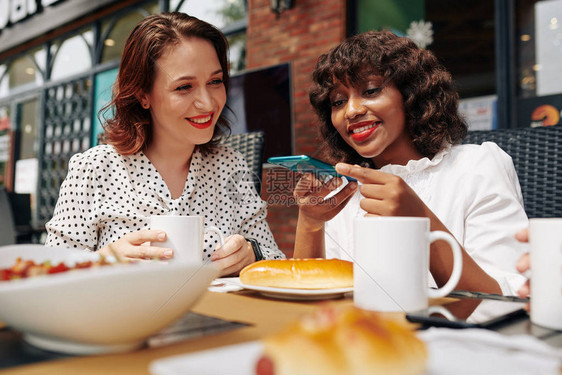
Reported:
(298, 36)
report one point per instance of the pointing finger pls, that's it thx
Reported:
(365, 175)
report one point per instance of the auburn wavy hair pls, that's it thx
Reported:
(129, 129)
(430, 100)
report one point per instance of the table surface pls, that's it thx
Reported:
(264, 316)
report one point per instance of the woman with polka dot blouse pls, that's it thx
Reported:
(162, 155)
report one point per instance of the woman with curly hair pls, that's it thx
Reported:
(162, 155)
(389, 118)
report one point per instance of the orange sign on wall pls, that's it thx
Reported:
(545, 115)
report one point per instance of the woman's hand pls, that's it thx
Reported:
(235, 254)
(315, 210)
(310, 193)
(385, 194)
(136, 246)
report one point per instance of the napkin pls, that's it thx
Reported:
(225, 285)
(479, 351)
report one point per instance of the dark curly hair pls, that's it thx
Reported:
(130, 128)
(430, 100)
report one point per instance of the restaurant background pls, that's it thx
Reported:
(59, 58)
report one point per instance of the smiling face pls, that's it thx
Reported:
(188, 94)
(370, 118)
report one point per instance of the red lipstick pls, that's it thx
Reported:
(196, 121)
(362, 135)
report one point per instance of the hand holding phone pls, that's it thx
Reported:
(319, 198)
(307, 164)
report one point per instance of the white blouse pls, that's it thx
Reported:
(106, 195)
(474, 191)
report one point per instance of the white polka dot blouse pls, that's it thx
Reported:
(106, 195)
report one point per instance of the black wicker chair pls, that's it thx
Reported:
(537, 156)
(251, 146)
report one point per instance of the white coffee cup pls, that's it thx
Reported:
(391, 263)
(545, 237)
(184, 234)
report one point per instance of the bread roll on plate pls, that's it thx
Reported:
(299, 273)
(348, 341)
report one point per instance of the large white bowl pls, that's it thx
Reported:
(98, 310)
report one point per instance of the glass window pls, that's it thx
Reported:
(116, 37)
(72, 55)
(525, 41)
(237, 52)
(23, 71)
(227, 15)
(28, 129)
(464, 41)
(460, 33)
(539, 47)
(538, 43)
(219, 12)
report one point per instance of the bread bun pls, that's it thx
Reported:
(351, 341)
(299, 273)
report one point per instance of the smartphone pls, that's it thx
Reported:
(304, 163)
(470, 313)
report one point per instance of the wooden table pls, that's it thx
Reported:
(264, 316)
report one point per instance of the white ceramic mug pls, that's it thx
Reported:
(184, 234)
(391, 265)
(545, 237)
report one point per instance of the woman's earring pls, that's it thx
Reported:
(145, 105)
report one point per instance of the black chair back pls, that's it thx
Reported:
(537, 156)
(251, 146)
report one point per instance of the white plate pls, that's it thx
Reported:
(459, 352)
(293, 294)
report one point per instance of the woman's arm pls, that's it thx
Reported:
(314, 211)
(388, 195)
(473, 277)
(309, 238)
